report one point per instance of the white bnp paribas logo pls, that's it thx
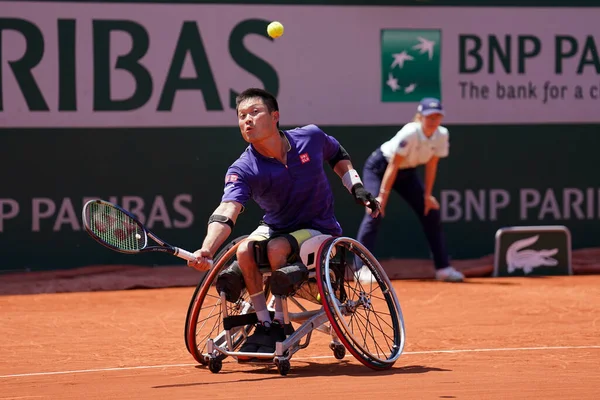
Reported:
(527, 260)
(410, 64)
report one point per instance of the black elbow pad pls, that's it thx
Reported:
(342, 154)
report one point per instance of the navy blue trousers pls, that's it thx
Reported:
(409, 186)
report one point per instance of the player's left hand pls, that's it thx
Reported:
(431, 204)
(365, 198)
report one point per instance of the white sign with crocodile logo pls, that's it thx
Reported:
(527, 260)
(541, 250)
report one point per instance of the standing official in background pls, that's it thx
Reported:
(393, 166)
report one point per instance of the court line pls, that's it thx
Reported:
(406, 353)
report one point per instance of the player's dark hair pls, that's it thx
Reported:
(267, 98)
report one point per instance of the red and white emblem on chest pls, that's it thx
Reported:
(304, 158)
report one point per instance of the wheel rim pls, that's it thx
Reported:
(205, 319)
(369, 321)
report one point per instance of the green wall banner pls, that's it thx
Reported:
(173, 179)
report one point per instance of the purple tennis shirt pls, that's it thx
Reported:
(293, 196)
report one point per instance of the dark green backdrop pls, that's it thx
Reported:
(77, 163)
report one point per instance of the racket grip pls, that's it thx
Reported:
(186, 255)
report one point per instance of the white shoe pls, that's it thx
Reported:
(449, 274)
(364, 275)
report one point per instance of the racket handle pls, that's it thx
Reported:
(186, 255)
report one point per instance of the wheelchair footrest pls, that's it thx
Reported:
(250, 319)
(242, 320)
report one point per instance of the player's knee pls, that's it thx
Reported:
(252, 254)
(278, 251)
(245, 254)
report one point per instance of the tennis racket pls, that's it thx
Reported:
(117, 229)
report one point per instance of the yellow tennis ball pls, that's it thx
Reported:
(275, 29)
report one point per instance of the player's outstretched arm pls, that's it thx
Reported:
(220, 226)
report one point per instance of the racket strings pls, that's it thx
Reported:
(115, 228)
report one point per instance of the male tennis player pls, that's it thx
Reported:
(282, 171)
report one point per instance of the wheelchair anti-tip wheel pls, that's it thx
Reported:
(215, 365)
(205, 313)
(366, 317)
(339, 350)
(283, 366)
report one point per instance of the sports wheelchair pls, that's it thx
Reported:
(364, 318)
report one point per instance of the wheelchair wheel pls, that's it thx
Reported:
(205, 317)
(366, 317)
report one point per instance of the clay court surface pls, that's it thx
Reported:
(489, 338)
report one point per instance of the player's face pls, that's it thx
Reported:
(255, 121)
(431, 122)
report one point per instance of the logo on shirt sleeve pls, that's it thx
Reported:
(231, 178)
(304, 158)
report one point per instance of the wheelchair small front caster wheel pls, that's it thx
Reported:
(283, 366)
(339, 351)
(215, 365)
